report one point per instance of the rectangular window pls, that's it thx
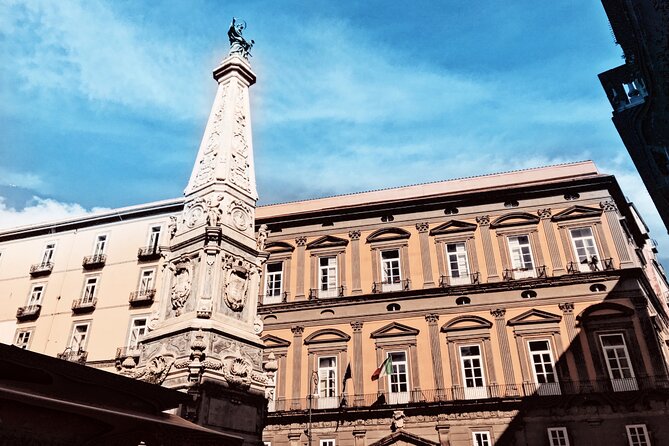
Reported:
(618, 362)
(47, 256)
(327, 382)
(273, 283)
(35, 297)
(398, 380)
(327, 442)
(90, 289)
(473, 379)
(328, 277)
(146, 281)
(521, 256)
(23, 339)
(543, 367)
(390, 270)
(481, 438)
(138, 328)
(458, 265)
(585, 248)
(79, 337)
(557, 436)
(637, 435)
(154, 238)
(100, 245)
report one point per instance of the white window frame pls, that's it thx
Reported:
(141, 287)
(390, 281)
(399, 396)
(100, 244)
(623, 383)
(590, 250)
(82, 344)
(459, 257)
(271, 296)
(548, 387)
(516, 254)
(637, 430)
(32, 302)
(90, 292)
(48, 253)
(558, 436)
(327, 383)
(481, 438)
(329, 272)
(473, 391)
(20, 334)
(153, 241)
(133, 344)
(327, 442)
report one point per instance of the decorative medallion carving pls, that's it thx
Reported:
(237, 275)
(483, 220)
(240, 215)
(258, 325)
(194, 212)
(608, 206)
(544, 213)
(354, 235)
(237, 372)
(155, 370)
(181, 284)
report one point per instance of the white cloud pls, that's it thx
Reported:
(41, 210)
(26, 180)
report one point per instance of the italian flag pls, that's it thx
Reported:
(386, 368)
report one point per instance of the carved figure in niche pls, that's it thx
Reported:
(236, 285)
(238, 44)
(263, 234)
(172, 226)
(181, 286)
(213, 210)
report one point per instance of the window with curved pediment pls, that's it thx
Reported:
(327, 350)
(390, 260)
(327, 272)
(519, 245)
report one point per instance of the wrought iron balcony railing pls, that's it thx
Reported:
(591, 265)
(29, 312)
(95, 261)
(41, 269)
(458, 395)
(270, 298)
(84, 305)
(524, 273)
(316, 293)
(462, 279)
(73, 356)
(142, 297)
(391, 285)
(148, 253)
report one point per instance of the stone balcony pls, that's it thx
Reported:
(28, 313)
(94, 262)
(148, 253)
(142, 297)
(73, 356)
(41, 269)
(84, 305)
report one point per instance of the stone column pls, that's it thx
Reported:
(604, 251)
(551, 241)
(573, 343)
(453, 361)
(357, 362)
(488, 252)
(619, 239)
(355, 263)
(505, 350)
(413, 354)
(435, 349)
(301, 243)
(527, 376)
(490, 364)
(423, 235)
(281, 381)
(297, 366)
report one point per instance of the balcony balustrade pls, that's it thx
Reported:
(148, 253)
(79, 356)
(462, 279)
(29, 312)
(142, 297)
(94, 262)
(269, 299)
(127, 351)
(84, 305)
(391, 285)
(316, 293)
(41, 269)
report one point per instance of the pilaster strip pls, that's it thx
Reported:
(650, 337)
(490, 363)
(473, 257)
(301, 246)
(428, 280)
(355, 260)
(414, 367)
(538, 252)
(549, 232)
(357, 360)
(503, 246)
(574, 343)
(619, 239)
(566, 243)
(504, 348)
(453, 361)
(601, 240)
(297, 366)
(281, 382)
(523, 362)
(437, 367)
(491, 267)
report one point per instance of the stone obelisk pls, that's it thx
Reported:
(204, 338)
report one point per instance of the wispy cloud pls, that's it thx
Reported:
(40, 210)
(25, 180)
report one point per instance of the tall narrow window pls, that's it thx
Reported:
(273, 283)
(100, 245)
(458, 265)
(154, 238)
(35, 297)
(585, 248)
(618, 362)
(23, 339)
(327, 382)
(328, 277)
(473, 379)
(637, 435)
(398, 380)
(557, 436)
(146, 281)
(47, 256)
(138, 327)
(390, 270)
(481, 438)
(90, 290)
(521, 256)
(543, 368)
(79, 337)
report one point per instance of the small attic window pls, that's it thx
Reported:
(571, 196)
(597, 287)
(387, 218)
(511, 204)
(393, 307)
(451, 210)
(528, 294)
(463, 300)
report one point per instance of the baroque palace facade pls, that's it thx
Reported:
(522, 308)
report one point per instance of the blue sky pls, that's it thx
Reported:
(104, 103)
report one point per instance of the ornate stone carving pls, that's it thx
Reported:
(181, 284)
(608, 206)
(237, 372)
(207, 163)
(423, 226)
(240, 214)
(356, 326)
(301, 241)
(239, 170)
(354, 235)
(397, 422)
(194, 212)
(483, 220)
(258, 325)
(172, 227)
(155, 370)
(214, 209)
(197, 361)
(544, 213)
(566, 307)
(237, 275)
(297, 330)
(498, 313)
(432, 318)
(263, 234)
